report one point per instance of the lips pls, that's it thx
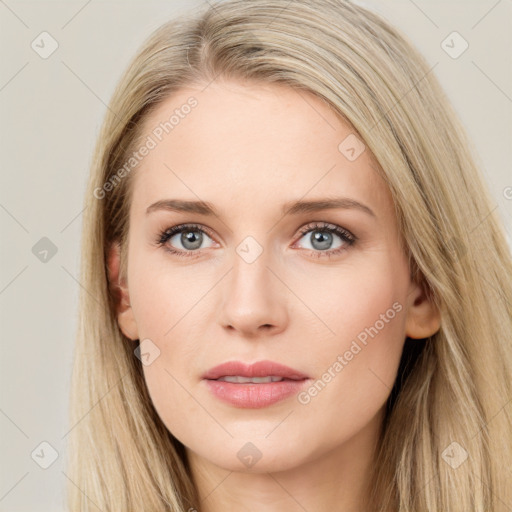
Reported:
(259, 369)
(253, 385)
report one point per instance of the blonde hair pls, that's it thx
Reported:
(455, 390)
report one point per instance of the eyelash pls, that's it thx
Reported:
(344, 234)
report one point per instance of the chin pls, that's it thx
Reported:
(258, 456)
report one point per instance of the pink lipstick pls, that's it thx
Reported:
(254, 385)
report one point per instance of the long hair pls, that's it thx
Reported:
(446, 439)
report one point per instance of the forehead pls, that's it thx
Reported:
(253, 145)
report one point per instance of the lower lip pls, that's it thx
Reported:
(254, 396)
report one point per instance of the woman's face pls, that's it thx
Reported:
(273, 275)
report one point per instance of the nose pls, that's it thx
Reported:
(254, 300)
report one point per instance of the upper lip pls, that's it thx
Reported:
(258, 369)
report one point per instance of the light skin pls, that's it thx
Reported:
(248, 149)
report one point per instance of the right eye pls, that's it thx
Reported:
(189, 236)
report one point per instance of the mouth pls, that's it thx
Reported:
(254, 385)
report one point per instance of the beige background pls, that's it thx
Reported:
(51, 111)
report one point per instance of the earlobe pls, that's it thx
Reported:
(423, 315)
(119, 290)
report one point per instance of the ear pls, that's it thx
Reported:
(119, 290)
(423, 315)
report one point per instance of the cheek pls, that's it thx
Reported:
(160, 297)
(168, 391)
(163, 304)
(355, 365)
(174, 399)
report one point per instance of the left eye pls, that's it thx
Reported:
(321, 238)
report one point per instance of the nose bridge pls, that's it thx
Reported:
(250, 275)
(250, 272)
(253, 297)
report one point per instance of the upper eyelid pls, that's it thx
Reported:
(329, 226)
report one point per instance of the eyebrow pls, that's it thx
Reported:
(290, 208)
